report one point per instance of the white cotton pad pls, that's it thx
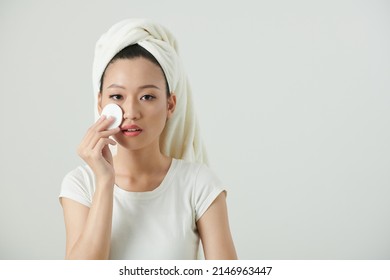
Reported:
(114, 111)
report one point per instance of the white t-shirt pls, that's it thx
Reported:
(160, 224)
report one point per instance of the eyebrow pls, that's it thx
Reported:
(116, 86)
(141, 87)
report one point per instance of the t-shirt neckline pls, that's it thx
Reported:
(165, 183)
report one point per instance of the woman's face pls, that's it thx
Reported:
(138, 87)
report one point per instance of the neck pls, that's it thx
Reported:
(140, 170)
(132, 163)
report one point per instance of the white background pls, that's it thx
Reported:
(293, 100)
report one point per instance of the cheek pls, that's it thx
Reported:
(104, 100)
(160, 108)
(159, 113)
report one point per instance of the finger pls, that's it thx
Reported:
(95, 132)
(105, 133)
(92, 130)
(99, 130)
(101, 135)
(101, 124)
(102, 143)
(106, 152)
(93, 155)
(104, 125)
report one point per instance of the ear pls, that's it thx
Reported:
(171, 105)
(99, 103)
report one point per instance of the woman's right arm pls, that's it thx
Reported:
(88, 230)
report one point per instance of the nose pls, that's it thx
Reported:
(131, 110)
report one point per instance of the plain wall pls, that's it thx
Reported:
(293, 100)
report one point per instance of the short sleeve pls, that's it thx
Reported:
(78, 186)
(206, 189)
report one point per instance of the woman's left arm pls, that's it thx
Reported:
(214, 231)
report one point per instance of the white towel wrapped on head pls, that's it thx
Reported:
(181, 137)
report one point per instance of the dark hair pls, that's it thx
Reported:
(135, 51)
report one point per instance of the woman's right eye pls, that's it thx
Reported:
(116, 96)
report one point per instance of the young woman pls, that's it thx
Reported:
(153, 197)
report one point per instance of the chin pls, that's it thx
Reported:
(134, 144)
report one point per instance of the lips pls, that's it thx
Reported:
(131, 130)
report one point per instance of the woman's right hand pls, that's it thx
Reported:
(94, 149)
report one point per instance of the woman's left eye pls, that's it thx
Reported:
(148, 97)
